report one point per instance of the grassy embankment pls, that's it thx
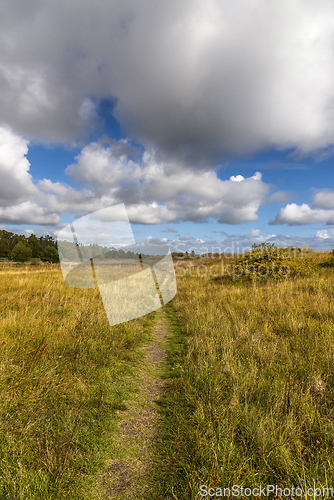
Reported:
(64, 373)
(250, 398)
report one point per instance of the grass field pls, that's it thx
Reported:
(250, 383)
(64, 373)
(250, 400)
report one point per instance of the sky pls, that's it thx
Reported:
(213, 122)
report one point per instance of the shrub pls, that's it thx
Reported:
(265, 260)
(331, 258)
(21, 252)
(50, 254)
(330, 261)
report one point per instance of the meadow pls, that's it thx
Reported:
(65, 375)
(250, 397)
(249, 381)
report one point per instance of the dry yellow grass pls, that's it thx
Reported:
(62, 380)
(251, 398)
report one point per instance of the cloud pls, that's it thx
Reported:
(321, 209)
(27, 213)
(237, 178)
(158, 191)
(323, 241)
(16, 183)
(324, 198)
(170, 229)
(325, 234)
(195, 81)
(297, 215)
(239, 215)
(97, 165)
(154, 192)
(186, 238)
(281, 196)
(243, 243)
(199, 196)
(255, 232)
(150, 214)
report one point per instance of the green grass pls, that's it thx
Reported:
(64, 373)
(250, 396)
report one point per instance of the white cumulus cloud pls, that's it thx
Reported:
(16, 183)
(324, 198)
(294, 215)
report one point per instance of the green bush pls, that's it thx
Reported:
(265, 260)
(331, 258)
(329, 262)
(50, 254)
(21, 252)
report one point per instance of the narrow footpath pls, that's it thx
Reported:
(128, 476)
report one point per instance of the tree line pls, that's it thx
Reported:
(19, 248)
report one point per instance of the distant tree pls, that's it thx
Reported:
(21, 252)
(50, 254)
(68, 251)
(131, 255)
(113, 253)
(8, 241)
(5, 243)
(47, 241)
(121, 254)
(34, 244)
(16, 238)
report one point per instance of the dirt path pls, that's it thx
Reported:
(128, 476)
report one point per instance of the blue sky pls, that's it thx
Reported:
(212, 122)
